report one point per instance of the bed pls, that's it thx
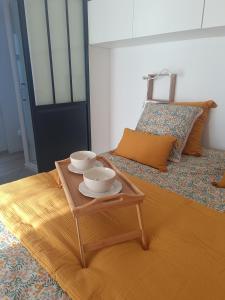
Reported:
(22, 277)
(191, 177)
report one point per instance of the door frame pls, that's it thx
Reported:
(28, 67)
(9, 33)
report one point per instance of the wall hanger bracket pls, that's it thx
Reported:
(150, 87)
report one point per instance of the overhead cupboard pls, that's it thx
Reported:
(214, 13)
(114, 20)
(162, 16)
(110, 20)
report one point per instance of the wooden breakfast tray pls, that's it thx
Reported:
(81, 205)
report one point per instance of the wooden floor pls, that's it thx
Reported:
(12, 167)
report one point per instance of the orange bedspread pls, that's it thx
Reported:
(186, 259)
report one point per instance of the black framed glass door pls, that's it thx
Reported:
(55, 46)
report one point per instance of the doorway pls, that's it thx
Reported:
(14, 163)
(48, 42)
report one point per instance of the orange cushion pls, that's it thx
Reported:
(221, 183)
(148, 149)
(194, 145)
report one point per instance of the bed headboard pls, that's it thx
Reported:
(150, 86)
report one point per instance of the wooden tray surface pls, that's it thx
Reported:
(73, 180)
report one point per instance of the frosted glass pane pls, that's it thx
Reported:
(59, 44)
(77, 49)
(38, 44)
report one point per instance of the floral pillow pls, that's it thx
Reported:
(164, 119)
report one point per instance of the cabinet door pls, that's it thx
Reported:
(110, 20)
(214, 14)
(162, 16)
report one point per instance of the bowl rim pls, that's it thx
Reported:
(91, 169)
(84, 159)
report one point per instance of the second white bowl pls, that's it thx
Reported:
(99, 179)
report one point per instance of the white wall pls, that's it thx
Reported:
(200, 64)
(7, 92)
(100, 98)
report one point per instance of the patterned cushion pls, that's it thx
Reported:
(164, 119)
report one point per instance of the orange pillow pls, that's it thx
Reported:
(194, 145)
(145, 148)
(221, 183)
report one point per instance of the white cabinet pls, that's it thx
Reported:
(110, 20)
(115, 20)
(163, 16)
(214, 14)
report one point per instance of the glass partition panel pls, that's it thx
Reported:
(75, 13)
(39, 51)
(59, 48)
(56, 42)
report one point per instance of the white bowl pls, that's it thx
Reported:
(83, 160)
(99, 179)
